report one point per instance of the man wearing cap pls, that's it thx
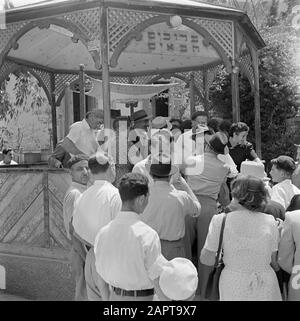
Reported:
(78, 166)
(128, 253)
(82, 137)
(281, 172)
(100, 203)
(167, 206)
(205, 184)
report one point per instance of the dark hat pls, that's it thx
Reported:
(76, 159)
(161, 166)
(114, 113)
(285, 163)
(216, 144)
(140, 115)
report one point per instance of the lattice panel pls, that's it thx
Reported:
(6, 69)
(198, 77)
(225, 3)
(61, 80)
(119, 79)
(144, 79)
(220, 30)
(246, 67)
(211, 75)
(121, 22)
(88, 21)
(45, 76)
(9, 32)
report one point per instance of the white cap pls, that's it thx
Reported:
(179, 279)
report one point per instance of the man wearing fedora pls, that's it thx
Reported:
(167, 206)
(138, 137)
(206, 186)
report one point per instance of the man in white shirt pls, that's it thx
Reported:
(128, 253)
(8, 157)
(82, 137)
(168, 207)
(100, 203)
(281, 172)
(80, 175)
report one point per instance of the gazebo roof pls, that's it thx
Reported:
(54, 49)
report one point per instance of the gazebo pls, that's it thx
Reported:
(132, 42)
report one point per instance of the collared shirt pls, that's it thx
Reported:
(83, 137)
(240, 153)
(209, 181)
(128, 253)
(72, 195)
(97, 206)
(283, 192)
(166, 210)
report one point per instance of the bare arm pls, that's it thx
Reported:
(207, 257)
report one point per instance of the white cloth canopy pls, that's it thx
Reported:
(127, 92)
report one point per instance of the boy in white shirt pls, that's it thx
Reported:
(282, 170)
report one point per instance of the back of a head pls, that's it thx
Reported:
(225, 126)
(285, 163)
(214, 124)
(250, 192)
(99, 163)
(186, 125)
(238, 128)
(132, 185)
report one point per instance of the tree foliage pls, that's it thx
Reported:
(278, 89)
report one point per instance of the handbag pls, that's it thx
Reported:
(212, 287)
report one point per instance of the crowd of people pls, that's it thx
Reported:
(149, 229)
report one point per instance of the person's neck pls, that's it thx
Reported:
(101, 177)
(232, 142)
(165, 179)
(128, 207)
(77, 182)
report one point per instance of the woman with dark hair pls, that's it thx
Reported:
(250, 245)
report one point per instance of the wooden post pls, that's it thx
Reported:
(235, 94)
(205, 91)
(254, 55)
(82, 91)
(68, 109)
(105, 64)
(47, 236)
(53, 111)
(192, 93)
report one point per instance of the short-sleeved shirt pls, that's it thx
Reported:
(72, 195)
(97, 206)
(283, 192)
(209, 181)
(166, 210)
(240, 153)
(83, 137)
(128, 253)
